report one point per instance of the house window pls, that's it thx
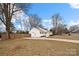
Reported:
(41, 32)
(45, 32)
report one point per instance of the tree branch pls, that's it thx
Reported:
(1, 7)
(16, 10)
(2, 21)
(12, 9)
(2, 15)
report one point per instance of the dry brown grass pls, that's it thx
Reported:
(37, 47)
(74, 36)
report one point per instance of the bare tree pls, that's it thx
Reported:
(26, 24)
(57, 23)
(7, 10)
(35, 20)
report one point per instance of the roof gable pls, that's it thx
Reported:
(39, 29)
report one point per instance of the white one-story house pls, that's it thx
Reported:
(38, 32)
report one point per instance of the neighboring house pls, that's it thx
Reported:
(38, 32)
(76, 31)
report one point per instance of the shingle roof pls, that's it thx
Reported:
(41, 29)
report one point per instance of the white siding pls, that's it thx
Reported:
(38, 33)
(35, 32)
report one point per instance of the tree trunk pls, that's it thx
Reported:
(8, 28)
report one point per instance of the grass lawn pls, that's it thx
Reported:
(74, 36)
(37, 47)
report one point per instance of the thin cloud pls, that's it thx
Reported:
(18, 27)
(46, 20)
(74, 5)
(73, 22)
(47, 23)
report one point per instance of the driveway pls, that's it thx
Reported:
(64, 40)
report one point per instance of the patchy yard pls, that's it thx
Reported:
(37, 47)
(74, 36)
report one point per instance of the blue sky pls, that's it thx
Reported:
(68, 11)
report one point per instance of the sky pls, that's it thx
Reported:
(68, 11)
